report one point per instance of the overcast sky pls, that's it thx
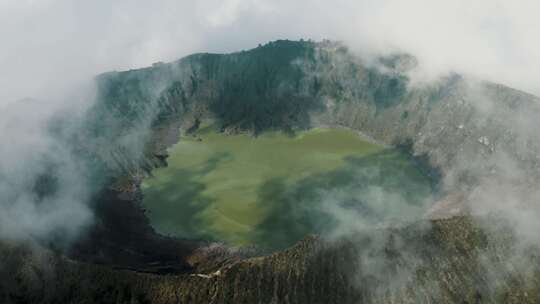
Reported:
(49, 46)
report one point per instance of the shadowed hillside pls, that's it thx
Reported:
(456, 263)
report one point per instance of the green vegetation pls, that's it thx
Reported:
(274, 189)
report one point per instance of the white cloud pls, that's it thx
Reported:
(49, 45)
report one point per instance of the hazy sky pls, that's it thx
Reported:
(50, 45)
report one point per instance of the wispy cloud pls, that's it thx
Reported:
(49, 45)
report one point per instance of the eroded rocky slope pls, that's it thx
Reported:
(454, 121)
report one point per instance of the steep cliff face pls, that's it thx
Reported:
(289, 85)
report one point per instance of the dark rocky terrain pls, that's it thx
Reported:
(460, 130)
(454, 262)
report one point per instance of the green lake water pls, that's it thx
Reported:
(275, 189)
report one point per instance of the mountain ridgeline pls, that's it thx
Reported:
(278, 86)
(466, 135)
(291, 85)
